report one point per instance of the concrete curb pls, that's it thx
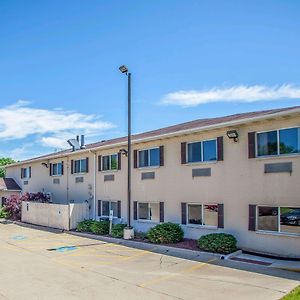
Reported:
(286, 265)
(162, 249)
(233, 254)
(5, 221)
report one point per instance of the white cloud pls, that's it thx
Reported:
(55, 142)
(239, 93)
(20, 121)
(21, 152)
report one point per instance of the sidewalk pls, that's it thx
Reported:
(288, 265)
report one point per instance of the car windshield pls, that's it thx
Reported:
(293, 212)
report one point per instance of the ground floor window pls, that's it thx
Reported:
(148, 211)
(106, 206)
(279, 219)
(202, 214)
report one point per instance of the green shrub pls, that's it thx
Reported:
(3, 213)
(100, 227)
(85, 226)
(117, 230)
(165, 233)
(218, 242)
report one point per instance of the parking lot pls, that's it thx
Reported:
(37, 264)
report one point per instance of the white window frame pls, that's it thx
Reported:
(202, 215)
(80, 166)
(110, 169)
(58, 174)
(27, 173)
(278, 143)
(109, 208)
(278, 220)
(202, 152)
(146, 220)
(149, 159)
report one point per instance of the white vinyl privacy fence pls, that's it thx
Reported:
(61, 216)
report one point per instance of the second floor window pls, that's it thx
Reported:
(110, 162)
(149, 158)
(56, 169)
(80, 166)
(278, 142)
(26, 172)
(202, 151)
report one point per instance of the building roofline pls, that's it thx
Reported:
(286, 111)
(9, 185)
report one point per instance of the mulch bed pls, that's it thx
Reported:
(185, 244)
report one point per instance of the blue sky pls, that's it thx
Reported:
(189, 59)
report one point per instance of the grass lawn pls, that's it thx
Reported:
(293, 295)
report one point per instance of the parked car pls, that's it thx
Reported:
(291, 218)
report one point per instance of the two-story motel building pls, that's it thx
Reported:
(196, 174)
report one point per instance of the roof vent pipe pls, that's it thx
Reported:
(82, 145)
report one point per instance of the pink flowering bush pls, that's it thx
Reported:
(25, 197)
(13, 206)
(36, 197)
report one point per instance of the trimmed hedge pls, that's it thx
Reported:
(218, 243)
(85, 226)
(117, 230)
(165, 233)
(100, 227)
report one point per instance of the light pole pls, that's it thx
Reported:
(124, 70)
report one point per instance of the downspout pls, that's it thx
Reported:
(68, 180)
(94, 182)
(68, 201)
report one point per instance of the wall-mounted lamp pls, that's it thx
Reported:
(123, 152)
(45, 165)
(233, 134)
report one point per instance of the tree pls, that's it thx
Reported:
(3, 162)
